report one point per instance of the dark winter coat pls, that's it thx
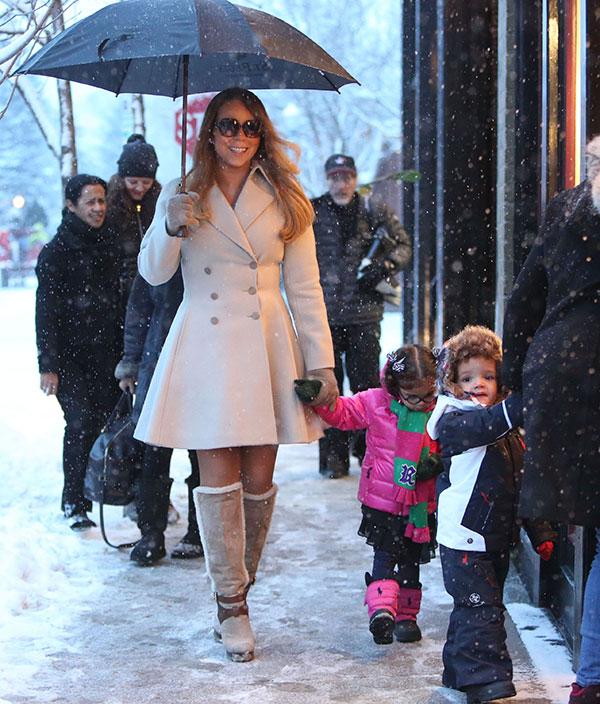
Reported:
(77, 300)
(343, 235)
(552, 352)
(478, 489)
(131, 220)
(150, 312)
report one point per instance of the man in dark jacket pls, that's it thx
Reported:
(360, 245)
(552, 353)
(150, 312)
(77, 326)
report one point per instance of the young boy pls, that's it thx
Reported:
(477, 494)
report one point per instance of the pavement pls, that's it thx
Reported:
(145, 635)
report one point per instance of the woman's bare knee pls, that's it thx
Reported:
(257, 467)
(219, 467)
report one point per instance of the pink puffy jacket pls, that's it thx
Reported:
(370, 409)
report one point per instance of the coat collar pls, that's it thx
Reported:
(446, 404)
(256, 196)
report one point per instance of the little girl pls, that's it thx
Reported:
(397, 486)
(482, 454)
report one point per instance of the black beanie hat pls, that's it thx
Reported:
(138, 158)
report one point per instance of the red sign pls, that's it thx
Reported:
(195, 113)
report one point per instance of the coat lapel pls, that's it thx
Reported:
(255, 198)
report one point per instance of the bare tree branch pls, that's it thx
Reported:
(36, 113)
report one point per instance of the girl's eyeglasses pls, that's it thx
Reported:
(414, 399)
(230, 127)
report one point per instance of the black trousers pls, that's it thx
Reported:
(87, 394)
(475, 651)
(356, 349)
(154, 485)
(403, 566)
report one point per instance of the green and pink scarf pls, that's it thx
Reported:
(413, 445)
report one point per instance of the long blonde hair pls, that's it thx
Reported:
(280, 169)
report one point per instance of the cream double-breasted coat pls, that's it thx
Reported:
(225, 374)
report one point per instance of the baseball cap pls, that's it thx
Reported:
(340, 162)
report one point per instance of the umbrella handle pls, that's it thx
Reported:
(182, 232)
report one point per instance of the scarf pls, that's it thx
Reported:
(413, 446)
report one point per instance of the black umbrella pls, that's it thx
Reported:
(178, 47)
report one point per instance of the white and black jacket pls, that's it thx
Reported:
(482, 459)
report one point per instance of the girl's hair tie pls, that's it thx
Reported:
(396, 364)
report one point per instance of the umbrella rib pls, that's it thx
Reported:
(331, 83)
(177, 77)
(124, 76)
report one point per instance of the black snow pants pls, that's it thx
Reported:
(154, 485)
(87, 394)
(356, 349)
(475, 652)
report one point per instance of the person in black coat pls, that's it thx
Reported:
(131, 201)
(78, 330)
(150, 312)
(552, 353)
(346, 227)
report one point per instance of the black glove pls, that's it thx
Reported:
(307, 390)
(429, 468)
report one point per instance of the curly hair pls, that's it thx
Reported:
(282, 171)
(471, 341)
(417, 364)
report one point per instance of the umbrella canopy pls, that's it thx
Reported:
(138, 46)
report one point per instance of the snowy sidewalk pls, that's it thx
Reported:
(81, 624)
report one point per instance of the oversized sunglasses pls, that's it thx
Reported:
(230, 127)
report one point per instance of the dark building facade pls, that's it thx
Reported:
(498, 100)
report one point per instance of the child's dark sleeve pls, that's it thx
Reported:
(539, 531)
(459, 431)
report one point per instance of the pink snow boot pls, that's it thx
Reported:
(382, 602)
(406, 629)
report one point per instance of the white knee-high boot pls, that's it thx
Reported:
(220, 513)
(258, 511)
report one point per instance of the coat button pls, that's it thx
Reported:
(253, 265)
(252, 291)
(469, 540)
(207, 270)
(255, 316)
(214, 296)
(214, 321)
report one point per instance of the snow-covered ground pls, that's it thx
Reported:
(80, 624)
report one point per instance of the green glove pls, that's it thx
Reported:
(307, 390)
(430, 467)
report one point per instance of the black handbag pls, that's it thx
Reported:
(114, 462)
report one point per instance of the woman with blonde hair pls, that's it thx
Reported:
(224, 381)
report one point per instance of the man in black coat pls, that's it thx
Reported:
(552, 353)
(150, 312)
(350, 232)
(79, 339)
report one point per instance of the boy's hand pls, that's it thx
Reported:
(545, 549)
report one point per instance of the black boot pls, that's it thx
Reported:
(153, 507)
(190, 547)
(149, 549)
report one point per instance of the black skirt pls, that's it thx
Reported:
(385, 531)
